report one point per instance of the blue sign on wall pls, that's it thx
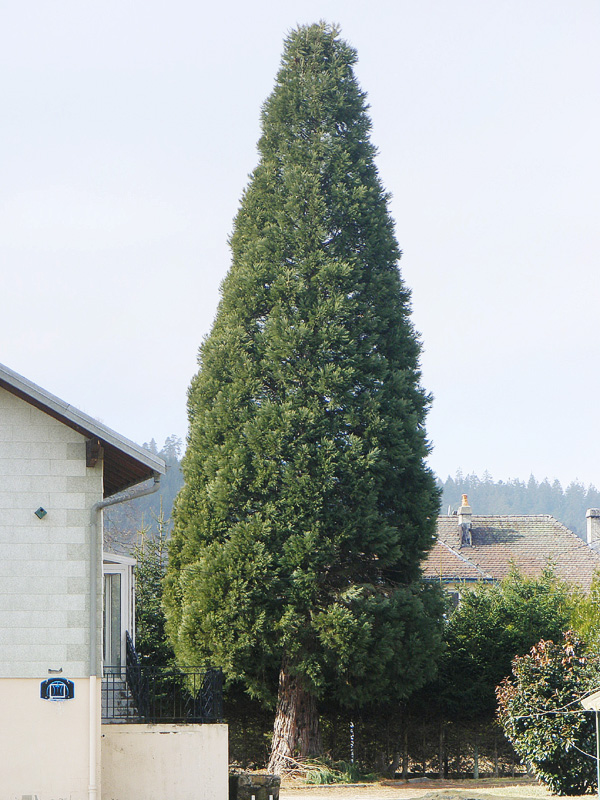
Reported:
(57, 689)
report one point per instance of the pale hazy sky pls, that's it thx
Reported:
(128, 132)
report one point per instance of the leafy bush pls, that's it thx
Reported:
(493, 624)
(585, 618)
(540, 711)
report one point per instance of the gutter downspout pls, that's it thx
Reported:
(121, 497)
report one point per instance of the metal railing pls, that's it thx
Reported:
(138, 693)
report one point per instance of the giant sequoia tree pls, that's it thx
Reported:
(307, 506)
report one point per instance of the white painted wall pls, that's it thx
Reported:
(44, 563)
(44, 744)
(164, 762)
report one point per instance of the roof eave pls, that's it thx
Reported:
(87, 426)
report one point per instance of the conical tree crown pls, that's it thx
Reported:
(307, 505)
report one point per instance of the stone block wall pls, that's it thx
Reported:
(250, 786)
(44, 563)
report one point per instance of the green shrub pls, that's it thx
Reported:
(540, 711)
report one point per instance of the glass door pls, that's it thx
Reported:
(118, 610)
(112, 622)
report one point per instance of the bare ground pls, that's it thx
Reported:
(484, 789)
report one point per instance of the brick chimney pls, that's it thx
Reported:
(464, 522)
(592, 519)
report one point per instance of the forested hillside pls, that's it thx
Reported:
(122, 523)
(486, 496)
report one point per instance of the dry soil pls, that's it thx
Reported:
(420, 790)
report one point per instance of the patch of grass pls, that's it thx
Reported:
(327, 772)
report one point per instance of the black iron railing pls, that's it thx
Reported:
(146, 694)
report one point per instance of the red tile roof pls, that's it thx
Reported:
(529, 542)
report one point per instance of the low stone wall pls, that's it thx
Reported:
(156, 762)
(245, 786)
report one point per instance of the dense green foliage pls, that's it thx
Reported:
(540, 712)
(151, 555)
(585, 619)
(307, 506)
(487, 496)
(493, 624)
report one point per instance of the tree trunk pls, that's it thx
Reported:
(441, 755)
(495, 755)
(405, 753)
(296, 731)
(392, 768)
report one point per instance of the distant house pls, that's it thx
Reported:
(471, 548)
(65, 617)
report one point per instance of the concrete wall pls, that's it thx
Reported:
(44, 603)
(44, 563)
(164, 762)
(44, 744)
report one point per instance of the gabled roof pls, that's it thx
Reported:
(125, 463)
(528, 542)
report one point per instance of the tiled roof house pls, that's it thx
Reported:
(484, 548)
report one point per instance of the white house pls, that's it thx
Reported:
(58, 469)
